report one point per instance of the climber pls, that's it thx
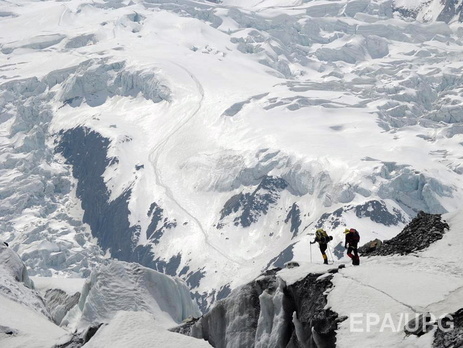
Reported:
(322, 238)
(351, 244)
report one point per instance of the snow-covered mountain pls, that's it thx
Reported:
(119, 305)
(407, 293)
(207, 140)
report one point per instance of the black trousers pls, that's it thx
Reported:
(352, 248)
(323, 248)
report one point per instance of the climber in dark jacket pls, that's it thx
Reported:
(351, 244)
(322, 238)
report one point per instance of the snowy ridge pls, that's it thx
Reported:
(311, 305)
(204, 139)
(113, 299)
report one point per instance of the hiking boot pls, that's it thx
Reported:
(325, 262)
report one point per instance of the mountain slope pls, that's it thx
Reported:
(204, 139)
(382, 303)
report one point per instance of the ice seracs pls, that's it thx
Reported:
(121, 286)
(124, 304)
(198, 127)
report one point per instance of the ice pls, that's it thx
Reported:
(136, 304)
(16, 284)
(346, 102)
(122, 286)
(272, 323)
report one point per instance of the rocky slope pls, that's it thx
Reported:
(270, 313)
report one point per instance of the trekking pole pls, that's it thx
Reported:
(310, 252)
(331, 253)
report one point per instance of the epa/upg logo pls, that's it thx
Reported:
(398, 322)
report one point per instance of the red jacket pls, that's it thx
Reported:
(352, 238)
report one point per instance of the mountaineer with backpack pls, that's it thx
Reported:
(322, 238)
(351, 244)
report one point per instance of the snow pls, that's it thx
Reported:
(136, 304)
(33, 329)
(346, 101)
(69, 285)
(139, 329)
(381, 295)
(292, 275)
(399, 287)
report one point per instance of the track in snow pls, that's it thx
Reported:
(154, 157)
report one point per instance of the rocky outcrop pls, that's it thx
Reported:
(315, 325)
(419, 234)
(246, 208)
(269, 313)
(370, 246)
(450, 331)
(87, 151)
(374, 210)
(78, 339)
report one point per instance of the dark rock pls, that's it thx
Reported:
(419, 234)
(87, 152)
(281, 259)
(420, 325)
(332, 219)
(8, 331)
(144, 255)
(78, 339)
(159, 224)
(376, 211)
(194, 278)
(272, 272)
(316, 322)
(223, 292)
(450, 11)
(248, 207)
(185, 328)
(370, 246)
(91, 331)
(294, 216)
(292, 264)
(449, 331)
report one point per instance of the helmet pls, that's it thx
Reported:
(346, 230)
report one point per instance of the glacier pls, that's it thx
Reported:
(111, 301)
(204, 139)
